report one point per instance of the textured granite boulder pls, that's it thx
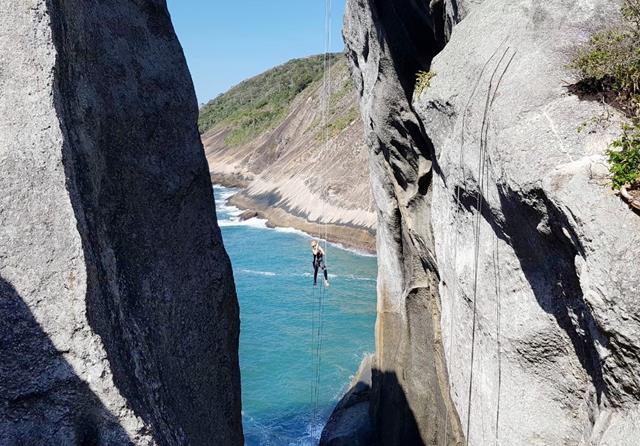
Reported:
(349, 424)
(118, 315)
(535, 259)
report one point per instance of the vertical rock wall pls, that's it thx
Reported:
(119, 321)
(513, 259)
(388, 42)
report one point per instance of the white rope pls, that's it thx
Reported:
(317, 328)
(325, 117)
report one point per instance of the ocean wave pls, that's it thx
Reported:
(288, 230)
(275, 434)
(313, 433)
(356, 251)
(221, 198)
(351, 277)
(337, 276)
(224, 192)
(227, 209)
(252, 222)
(259, 273)
(361, 279)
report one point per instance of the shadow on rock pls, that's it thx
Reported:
(351, 423)
(42, 400)
(546, 246)
(403, 427)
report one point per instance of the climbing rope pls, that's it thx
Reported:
(319, 305)
(462, 172)
(482, 177)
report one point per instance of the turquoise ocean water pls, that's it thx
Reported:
(273, 274)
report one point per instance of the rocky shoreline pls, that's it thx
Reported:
(350, 236)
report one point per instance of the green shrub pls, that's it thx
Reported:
(610, 63)
(624, 157)
(423, 81)
(336, 96)
(609, 66)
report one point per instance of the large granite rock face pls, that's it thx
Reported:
(535, 258)
(387, 43)
(118, 315)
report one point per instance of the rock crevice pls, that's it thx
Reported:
(388, 43)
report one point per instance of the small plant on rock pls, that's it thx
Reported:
(423, 80)
(624, 157)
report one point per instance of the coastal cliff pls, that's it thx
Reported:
(118, 315)
(277, 155)
(507, 287)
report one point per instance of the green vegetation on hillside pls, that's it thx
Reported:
(342, 122)
(257, 104)
(609, 67)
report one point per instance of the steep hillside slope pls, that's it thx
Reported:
(288, 174)
(118, 315)
(508, 283)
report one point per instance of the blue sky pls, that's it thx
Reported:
(227, 41)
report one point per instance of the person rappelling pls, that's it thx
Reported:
(318, 263)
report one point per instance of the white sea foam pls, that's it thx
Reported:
(259, 273)
(359, 252)
(229, 211)
(252, 222)
(343, 277)
(362, 279)
(291, 231)
(222, 196)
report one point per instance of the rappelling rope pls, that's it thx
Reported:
(462, 172)
(317, 327)
(312, 347)
(482, 177)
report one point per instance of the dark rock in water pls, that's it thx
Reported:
(247, 215)
(118, 316)
(349, 424)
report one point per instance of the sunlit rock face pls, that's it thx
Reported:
(118, 315)
(508, 279)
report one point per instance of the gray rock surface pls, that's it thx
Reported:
(387, 43)
(535, 258)
(118, 316)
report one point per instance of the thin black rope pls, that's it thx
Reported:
(459, 206)
(498, 326)
(482, 159)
